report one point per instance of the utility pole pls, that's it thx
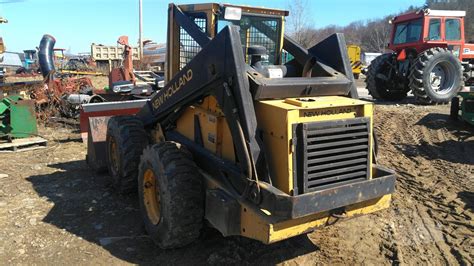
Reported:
(140, 34)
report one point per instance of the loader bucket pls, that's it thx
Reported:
(93, 123)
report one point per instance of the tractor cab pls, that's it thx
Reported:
(261, 33)
(430, 58)
(418, 31)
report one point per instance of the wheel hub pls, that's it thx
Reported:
(437, 77)
(114, 156)
(442, 78)
(151, 197)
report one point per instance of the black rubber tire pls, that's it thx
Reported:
(356, 76)
(181, 195)
(131, 139)
(419, 77)
(376, 143)
(21, 70)
(454, 110)
(378, 88)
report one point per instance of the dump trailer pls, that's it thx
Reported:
(254, 147)
(354, 52)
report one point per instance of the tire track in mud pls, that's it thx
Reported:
(434, 186)
(429, 222)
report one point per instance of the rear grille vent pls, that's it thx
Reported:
(330, 153)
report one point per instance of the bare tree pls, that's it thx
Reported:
(370, 35)
(352, 32)
(298, 24)
(376, 35)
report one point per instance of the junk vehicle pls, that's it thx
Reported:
(430, 58)
(18, 125)
(464, 103)
(30, 63)
(354, 52)
(2, 50)
(66, 94)
(255, 147)
(125, 79)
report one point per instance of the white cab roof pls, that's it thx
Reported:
(446, 13)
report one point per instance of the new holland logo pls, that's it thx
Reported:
(175, 87)
(332, 111)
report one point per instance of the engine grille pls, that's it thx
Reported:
(330, 153)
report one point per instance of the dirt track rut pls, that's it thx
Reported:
(53, 209)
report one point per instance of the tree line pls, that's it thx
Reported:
(371, 35)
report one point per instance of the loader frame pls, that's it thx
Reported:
(243, 194)
(227, 80)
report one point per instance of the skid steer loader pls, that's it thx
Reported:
(255, 146)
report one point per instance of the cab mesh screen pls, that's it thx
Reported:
(188, 46)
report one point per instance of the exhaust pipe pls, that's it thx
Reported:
(45, 55)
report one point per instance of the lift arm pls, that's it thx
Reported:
(219, 69)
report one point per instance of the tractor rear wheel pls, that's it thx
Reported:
(436, 76)
(171, 196)
(126, 139)
(378, 83)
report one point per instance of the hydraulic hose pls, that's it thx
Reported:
(45, 55)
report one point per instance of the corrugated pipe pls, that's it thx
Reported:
(46, 53)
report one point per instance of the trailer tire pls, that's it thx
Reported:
(21, 70)
(436, 76)
(126, 139)
(382, 89)
(170, 190)
(454, 110)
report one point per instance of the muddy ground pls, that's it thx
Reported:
(54, 210)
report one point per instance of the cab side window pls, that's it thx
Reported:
(453, 29)
(434, 33)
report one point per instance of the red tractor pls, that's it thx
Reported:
(431, 58)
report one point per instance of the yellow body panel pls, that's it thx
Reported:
(215, 132)
(276, 118)
(256, 225)
(354, 52)
(2, 46)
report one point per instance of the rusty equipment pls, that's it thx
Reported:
(430, 58)
(17, 118)
(60, 96)
(124, 80)
(18, 126)
(125, 72)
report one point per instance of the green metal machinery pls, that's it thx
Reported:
(462, 107)
(17, 118)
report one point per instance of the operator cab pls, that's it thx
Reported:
(275, 63)
(257, 55)
(418, 31)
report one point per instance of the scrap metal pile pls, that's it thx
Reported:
(60, 95)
